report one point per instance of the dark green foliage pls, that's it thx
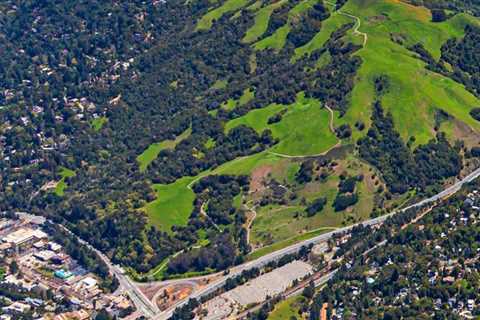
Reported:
(335, 85)
(224, 248)
(475, 151)
(305, 174)
(463, 55)
(436, 160)
(277, 117)
(141, 65)
(344, 131)
(309, 290)
(384, 148)
(475, 113)
(439, 15)
(382, 84)
(360, 125)
(309, 24)
(426, 56)
(103, 315)
(402, 170)
(316, 206)
(347, 185)
(218, 255)
(440, 117)
(469, 6)
(343, 201)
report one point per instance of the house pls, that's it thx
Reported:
(24, 237)
(75, 315)
(16, 308)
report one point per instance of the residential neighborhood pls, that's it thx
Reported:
(39, 278)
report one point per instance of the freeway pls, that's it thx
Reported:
(150, 310)
(274, 256)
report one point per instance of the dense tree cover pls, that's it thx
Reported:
(304, 30)
(85, 256)
(402, 169)
(343, 131)
(305, 173)
(346, 195)
(462, 55)
(219, 255)
(144, 69)
(426, 270)
(470, 6)
(214, 207)
(439, 15)
(343, 201)
(316, 206)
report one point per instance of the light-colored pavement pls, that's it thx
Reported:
(274, 256)
(141, 302)
(150, 310)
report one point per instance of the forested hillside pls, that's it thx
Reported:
(221, 130)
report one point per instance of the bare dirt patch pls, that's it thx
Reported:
(257, 178)
(172, 294)
(463, 132)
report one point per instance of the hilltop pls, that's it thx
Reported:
(188, 136)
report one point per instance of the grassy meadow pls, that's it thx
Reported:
(413, 96)
(297, 136)
(64, 173)
(151, 153)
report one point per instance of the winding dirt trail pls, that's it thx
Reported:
(358, 23)
(332, 129)
(248, 227)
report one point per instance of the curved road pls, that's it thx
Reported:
(260, 262)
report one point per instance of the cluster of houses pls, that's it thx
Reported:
(53, 285)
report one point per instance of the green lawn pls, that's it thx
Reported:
(64, 173)
(151, 153)
(173, 205)
(262, 18)
(287, 308)
(297, 136)
(278, 38)
(414, 91)
(207, 20)
(98, 123)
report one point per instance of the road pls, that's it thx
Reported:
(150, 310)
(141, 302)
(274, 256)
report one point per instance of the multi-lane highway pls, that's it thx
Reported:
(262, 261)
(150, 310)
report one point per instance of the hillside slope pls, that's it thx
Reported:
(233, 127)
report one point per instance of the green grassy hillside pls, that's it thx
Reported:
(415, 92)
(384, 30)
